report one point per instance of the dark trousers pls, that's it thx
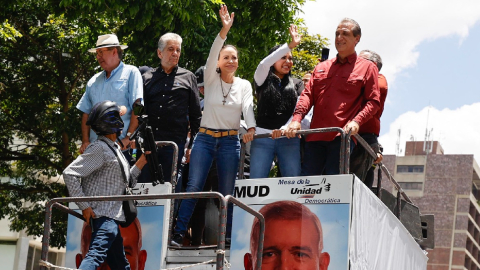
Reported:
(322, 157)
(197, 222)
(361, 162)
(106, 246)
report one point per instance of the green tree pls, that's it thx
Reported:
(306, 54)
(44, 66)
(42, 72)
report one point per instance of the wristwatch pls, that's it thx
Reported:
(129, 134)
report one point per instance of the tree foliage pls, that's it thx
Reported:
(308, 53)
(44, 66)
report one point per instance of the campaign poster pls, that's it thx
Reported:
(322, 235)
(150, 252)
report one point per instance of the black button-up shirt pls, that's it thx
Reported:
(171, 102)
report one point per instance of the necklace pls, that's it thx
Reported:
(223, 92)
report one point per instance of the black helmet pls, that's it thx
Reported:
(104, 118)
(199, 75)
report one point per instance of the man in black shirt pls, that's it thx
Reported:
(172, 103)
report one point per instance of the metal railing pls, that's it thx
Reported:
(173, 180)
(344, 164)
(372, 153)
(222, 216)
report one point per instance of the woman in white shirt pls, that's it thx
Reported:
(226, 98)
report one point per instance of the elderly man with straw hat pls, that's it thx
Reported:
(117, 82)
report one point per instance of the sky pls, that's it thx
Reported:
(429, 50)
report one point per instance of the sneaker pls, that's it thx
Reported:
(177, 240)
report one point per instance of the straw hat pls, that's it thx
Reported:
(108, 40)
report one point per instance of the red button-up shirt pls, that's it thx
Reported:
(340, 92)
(373, 125)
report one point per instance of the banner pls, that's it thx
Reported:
(149, 253)
(307, 222)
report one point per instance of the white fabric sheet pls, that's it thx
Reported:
(378, 240)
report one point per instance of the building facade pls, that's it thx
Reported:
(448, 187)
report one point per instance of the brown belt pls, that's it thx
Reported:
(218, 134)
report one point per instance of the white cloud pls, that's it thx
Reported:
(458, 130)
(394, 28)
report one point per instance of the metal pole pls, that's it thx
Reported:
(46, 233)
(241, 166)
(389, 175)
(342, 153)
(173, 176)
(56, 202)
(173, 181)
(222, 228)
(347, 154)
(261, 220)
(379, 183)
(399, 205)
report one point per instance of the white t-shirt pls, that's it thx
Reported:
(216, 115)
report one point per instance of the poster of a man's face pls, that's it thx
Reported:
(293, 239)
(307, 223)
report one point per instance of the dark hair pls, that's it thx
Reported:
(272, 50)
(223, 48)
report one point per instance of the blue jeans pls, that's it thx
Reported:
(226, 151)
(323, 157)
(106, 245)
(264, 150)
(165, 158)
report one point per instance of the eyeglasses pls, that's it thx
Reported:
(100, 52)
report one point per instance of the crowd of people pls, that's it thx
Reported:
(203, 112)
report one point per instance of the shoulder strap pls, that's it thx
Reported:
(119, 162)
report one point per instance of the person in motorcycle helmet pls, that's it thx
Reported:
(100, 171)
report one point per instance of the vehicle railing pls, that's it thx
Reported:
(372, 153)
(173, 176)
(344, 158)
(230, 198)
(222, 216)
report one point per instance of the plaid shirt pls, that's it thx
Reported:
(97, 173)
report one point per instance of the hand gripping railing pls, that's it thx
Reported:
(344, 151)
(57, 203)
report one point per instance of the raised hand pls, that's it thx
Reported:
(296, 37)
(227, 19)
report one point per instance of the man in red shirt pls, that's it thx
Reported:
(345, 93)
(360, 161)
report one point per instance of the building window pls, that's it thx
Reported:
(411, 185)
(410, 168)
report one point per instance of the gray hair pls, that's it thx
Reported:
(374, 57)
(119, 52)
(357, 31)
(162, 42)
